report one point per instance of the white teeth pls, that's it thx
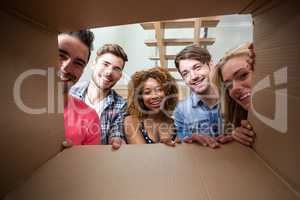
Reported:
(245, 96)
(107, 80)
(64, 78)
(155, 103)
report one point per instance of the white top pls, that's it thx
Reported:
(98, 107)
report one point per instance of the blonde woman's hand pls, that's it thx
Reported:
(251, 59)
(244, 134)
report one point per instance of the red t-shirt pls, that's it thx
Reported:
(82, 124)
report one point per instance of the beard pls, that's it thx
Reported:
(98, 82)
(67, 80)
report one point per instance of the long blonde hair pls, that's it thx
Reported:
(231, 111)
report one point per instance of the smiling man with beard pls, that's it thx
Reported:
(98, 93)
(81, 122)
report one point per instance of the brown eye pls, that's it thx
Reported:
(117, 69)
(63, 56)
(243, 76)
(184, 74)
(80, 64)
(197, 67)
(146, 92)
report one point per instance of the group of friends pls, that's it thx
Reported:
(214, 113)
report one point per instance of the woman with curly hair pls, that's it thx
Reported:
(152, 97)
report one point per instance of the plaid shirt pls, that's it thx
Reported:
(112, 115)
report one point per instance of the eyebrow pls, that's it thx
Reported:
(77, 59)
(234, 74)
(63, 51)
(107, 62)
(80, 60)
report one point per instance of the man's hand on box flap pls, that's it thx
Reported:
(244, 134)
(224, 138)
(203, 140)
(67, 144)
(116, 142)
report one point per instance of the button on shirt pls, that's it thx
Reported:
(193, 116)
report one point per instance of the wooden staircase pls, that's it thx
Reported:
(161, 42)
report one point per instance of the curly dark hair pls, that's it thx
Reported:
(85, 36)
(136, 105)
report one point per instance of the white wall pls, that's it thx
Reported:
(232, 31)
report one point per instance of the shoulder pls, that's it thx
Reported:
(118, 99)
(82, 109)
(131, 129)
(184, 104)
(75, 102)
(131, 120)
(79, 88)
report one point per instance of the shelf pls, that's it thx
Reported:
(167, 57)
(181, 42)
(183, 23)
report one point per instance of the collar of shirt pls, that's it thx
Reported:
(197, 101)
(80, 90)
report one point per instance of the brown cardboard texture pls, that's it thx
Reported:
(33, 168)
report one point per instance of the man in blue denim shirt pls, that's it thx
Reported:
(197, 118)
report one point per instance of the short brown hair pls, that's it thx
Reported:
(195, 52)
(114, 49)
(135, 87)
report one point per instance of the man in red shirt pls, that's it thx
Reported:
(82, 124)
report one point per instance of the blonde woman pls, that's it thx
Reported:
(152, 97)
(233, 77)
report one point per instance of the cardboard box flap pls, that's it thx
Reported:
(73, 15)
(276, 96)
(155, 172)
(27, 140)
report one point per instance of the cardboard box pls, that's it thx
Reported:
(32, 166)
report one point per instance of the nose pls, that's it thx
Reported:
(193, 75)
(154, 95)
(236, 87)
(66, 65)
(108, 71)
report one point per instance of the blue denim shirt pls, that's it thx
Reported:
(193, 116)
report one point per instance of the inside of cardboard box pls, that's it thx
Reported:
(275, 48)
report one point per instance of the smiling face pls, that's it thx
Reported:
(153, 95)
(195, 75)
(73, 56)
(107, 71)
(237, 77)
